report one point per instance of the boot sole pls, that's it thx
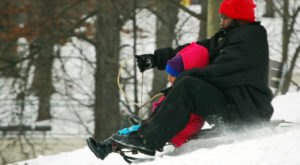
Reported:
(128, 146)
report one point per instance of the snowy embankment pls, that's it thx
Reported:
(257, 147)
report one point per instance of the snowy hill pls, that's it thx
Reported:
(257, 147)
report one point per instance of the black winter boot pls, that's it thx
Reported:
(101, 150)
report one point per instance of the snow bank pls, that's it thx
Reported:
(259, 147)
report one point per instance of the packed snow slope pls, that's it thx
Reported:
(260, 146)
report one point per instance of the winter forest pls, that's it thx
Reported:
(67, 67)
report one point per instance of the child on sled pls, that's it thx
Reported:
(191, 56)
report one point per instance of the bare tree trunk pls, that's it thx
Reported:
(42, 81)
(289, 74)
(8, 58)
(213, 19)
(203, 22)
(134, 24)
(288, 28)
(285, 29)
(107, 114)
(44, 45)
(165, 34)
(8, 44)
(285, 39)
(269, 9)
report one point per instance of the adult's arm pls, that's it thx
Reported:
(164, 54)
(245, 54)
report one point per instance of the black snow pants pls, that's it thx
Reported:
(188, 95)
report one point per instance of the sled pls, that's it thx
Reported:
(204, 134)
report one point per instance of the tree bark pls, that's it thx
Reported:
(106, 110)
(165, 35)
(42, 81)
(203, 22)
(289, 74)
(269, 9)
(213, 18)
(288, 28)
(44, 46)
(8, 40)
(285, 42)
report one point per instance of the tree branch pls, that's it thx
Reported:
(294, 19)
(185, 9)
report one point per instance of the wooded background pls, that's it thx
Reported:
(33, 34)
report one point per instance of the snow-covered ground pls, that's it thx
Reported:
(262, 146)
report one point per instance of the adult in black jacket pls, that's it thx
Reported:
(233, 88)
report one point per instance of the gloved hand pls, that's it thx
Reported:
(126, 131)
(145, 61)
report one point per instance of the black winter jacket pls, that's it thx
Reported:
(239, 60)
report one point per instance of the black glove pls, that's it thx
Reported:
(145, 61)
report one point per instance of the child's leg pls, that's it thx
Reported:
(195, 124)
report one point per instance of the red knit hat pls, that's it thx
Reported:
(238, 9)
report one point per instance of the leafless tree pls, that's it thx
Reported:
(110, 19)
(213, 18)
(9, 22)
(289, 12)
(269, 11)
(42, 82)
(167, 17)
